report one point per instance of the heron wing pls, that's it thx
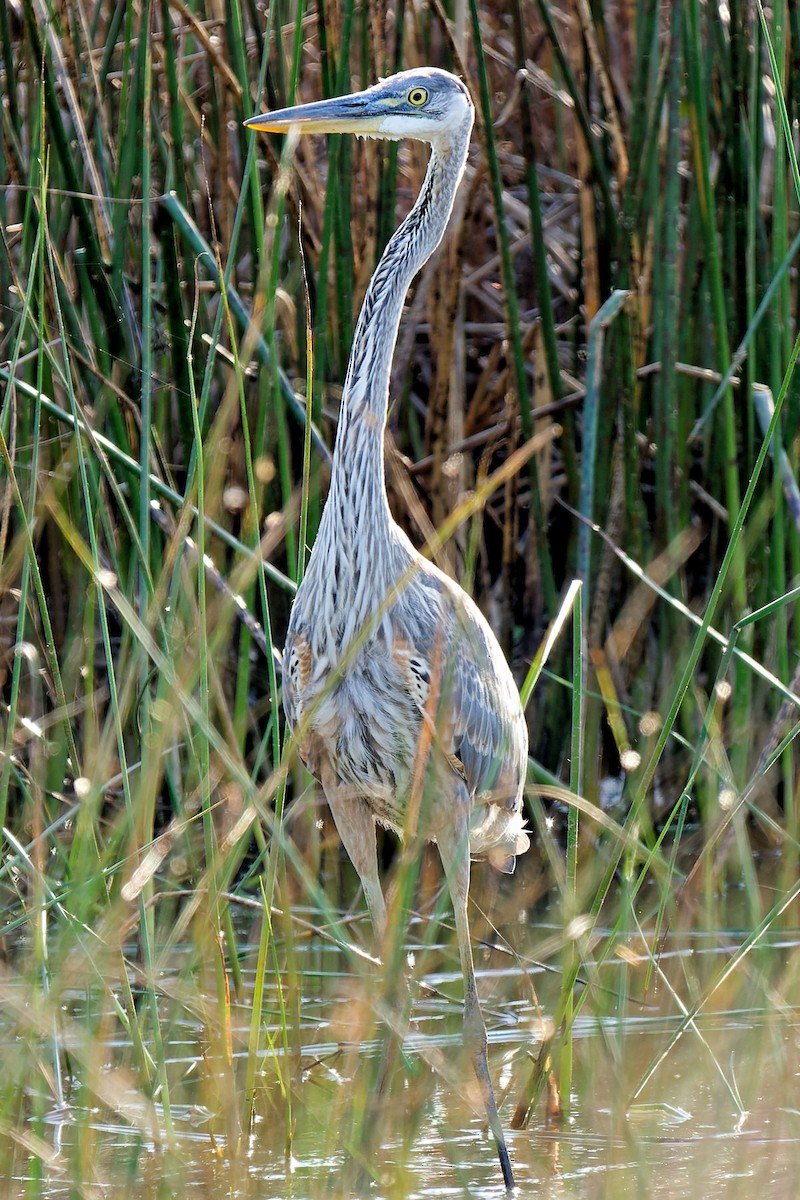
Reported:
(489, 735)
(475, 711)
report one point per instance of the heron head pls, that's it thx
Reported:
(427, 103)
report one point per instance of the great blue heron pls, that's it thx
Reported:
(387, 660)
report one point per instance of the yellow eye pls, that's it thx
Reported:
(417, 96)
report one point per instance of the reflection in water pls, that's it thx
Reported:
(718, 1117)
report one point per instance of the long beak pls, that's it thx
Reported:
(360, 113)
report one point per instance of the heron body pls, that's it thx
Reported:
(388, 662)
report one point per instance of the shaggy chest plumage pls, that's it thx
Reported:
(355, 687)
(364, 723)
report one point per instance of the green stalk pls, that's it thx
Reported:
(306, 479)
(340, 167)
(698, 112)
(581, 113)
(539, 530)
(535, 209)
(667, 476)
(202, 641)
(41, 598)
(732, 554)
(39, 258)
(576, 780)
(198, 246)
(146, 396)
(591, 408)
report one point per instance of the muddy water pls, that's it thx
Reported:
(720, 1116)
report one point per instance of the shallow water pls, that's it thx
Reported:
(719, 1117)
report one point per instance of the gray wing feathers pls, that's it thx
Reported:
(481, 710)
(489, 733)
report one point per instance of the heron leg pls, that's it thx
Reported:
(356, 827)
(454, 852)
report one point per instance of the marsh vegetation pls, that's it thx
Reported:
(185, 996)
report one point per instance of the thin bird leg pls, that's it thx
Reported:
(453, 842)
(356, 826)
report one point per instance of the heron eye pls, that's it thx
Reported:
(417, 96)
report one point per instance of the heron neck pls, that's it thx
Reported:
(357, 501)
